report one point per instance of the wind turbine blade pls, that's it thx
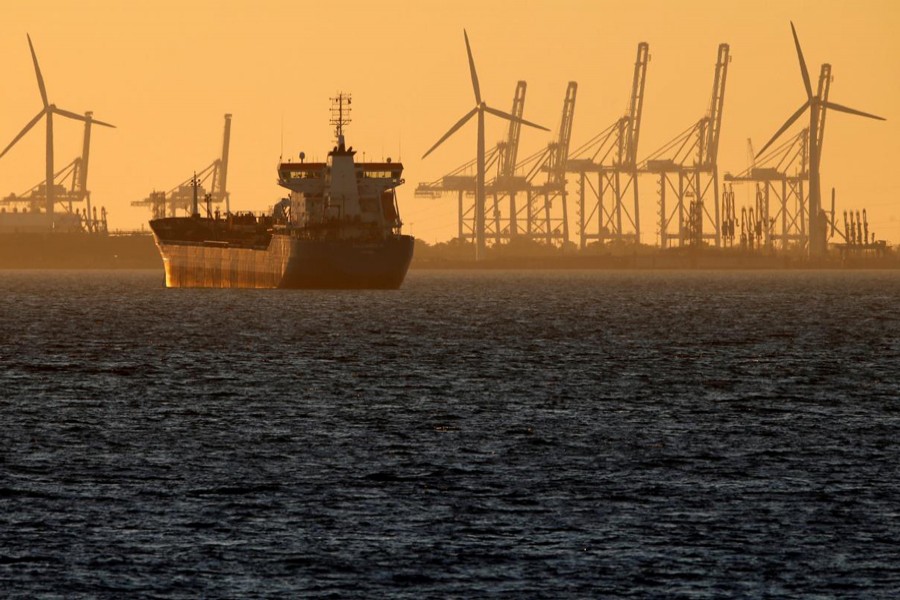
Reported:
(475, 85)
(453, 130)
(31, 124)
(803, 71)
(37, 71)
(784, 127)
(852, 111)
(510, 117)
(78, 117)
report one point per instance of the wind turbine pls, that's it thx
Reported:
(49, 110)
(481, 107)
(817, 105)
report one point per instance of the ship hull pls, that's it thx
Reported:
(77, 250)
(289, 263)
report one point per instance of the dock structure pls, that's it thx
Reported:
(696, 208)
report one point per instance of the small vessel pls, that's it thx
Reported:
(339, 228)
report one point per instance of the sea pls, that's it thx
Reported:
(502, 434)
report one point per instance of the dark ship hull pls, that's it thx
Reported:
(77, 250)
(288, 262)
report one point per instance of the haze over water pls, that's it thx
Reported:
(515, 434)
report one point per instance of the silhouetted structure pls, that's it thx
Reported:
(67, 186)
(612, 156)
(480, 108)
(817, 104)
(688, 168)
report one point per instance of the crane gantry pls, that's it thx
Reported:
(780, 179)
(543, 221)
(612, 156)
(688, 168)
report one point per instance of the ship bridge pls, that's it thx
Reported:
(310, 177)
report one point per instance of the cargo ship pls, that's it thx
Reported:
(339, 227)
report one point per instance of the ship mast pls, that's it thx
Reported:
(340, 116)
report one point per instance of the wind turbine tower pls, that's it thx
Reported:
(817, 104)
(49, 110)
(480, 108)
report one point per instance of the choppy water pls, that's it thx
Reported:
(508, 434)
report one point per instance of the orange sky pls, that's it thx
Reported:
(165, 73)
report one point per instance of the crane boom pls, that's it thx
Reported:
(218, 188)
(560, 150)
(715, 107)
(515, 127)
(636, 105)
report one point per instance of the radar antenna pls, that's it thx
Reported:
(340, 115)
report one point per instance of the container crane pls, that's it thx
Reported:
(542, 222)
(780, 179)
(687, 166)
(612, 156)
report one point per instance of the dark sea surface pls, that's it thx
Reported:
(503, 434)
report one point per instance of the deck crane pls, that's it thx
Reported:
(687, 166)
(612, 155)
(181, 196)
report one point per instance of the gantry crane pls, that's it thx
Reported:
(542, 222)
(780, 177)
(181, 196)
(612, 155)
(507, 183)
(688, 168)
